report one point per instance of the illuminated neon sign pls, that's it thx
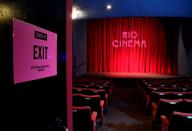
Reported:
(129, 39)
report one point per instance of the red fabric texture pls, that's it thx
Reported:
(111, 47)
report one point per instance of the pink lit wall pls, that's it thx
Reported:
(34, 52)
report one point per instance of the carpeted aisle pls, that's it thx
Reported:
(126, 111)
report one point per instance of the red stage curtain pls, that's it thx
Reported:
(128, 45)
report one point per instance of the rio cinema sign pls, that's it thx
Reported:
(129, 39)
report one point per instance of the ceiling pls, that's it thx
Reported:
(124, 8)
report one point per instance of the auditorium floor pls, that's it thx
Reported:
(126, 111)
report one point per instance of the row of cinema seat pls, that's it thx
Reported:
(91, 99)
(169, 101)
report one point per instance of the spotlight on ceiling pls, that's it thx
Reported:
(77, 13)
(108, 7)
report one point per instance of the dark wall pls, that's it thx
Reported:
(185, 47)
(79, 47)
(35, 104)
(172, 25)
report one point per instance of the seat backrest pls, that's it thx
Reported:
(166, 89)
(82, 119)
(186, 106)
(80, 85)
(100, 92)
(166, 107)
(87, 100)
(88, 91)
(188, 95)
(180, 122)
(156, 96)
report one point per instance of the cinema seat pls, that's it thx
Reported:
(186, 106)
(179, 121)
(156, 96)
(94, 101)
(108, 89)
(188, 95)
(84, 119)
(166, 89)
(165, 107)
(87, 91)
(80, 85)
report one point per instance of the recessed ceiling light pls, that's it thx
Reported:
(108, 6)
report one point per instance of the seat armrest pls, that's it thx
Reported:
(93, 119)
(102, 107)
(106, 95)
(154, 110)
(147, 98)
(102, 103)
(94, 116)
(106, 100)
(165, 123)
(110, 91)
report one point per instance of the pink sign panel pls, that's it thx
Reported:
(34, 52)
